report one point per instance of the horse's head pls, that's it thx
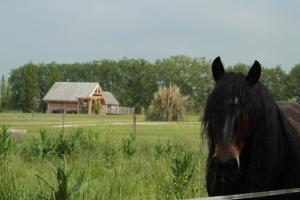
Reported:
(227, 118)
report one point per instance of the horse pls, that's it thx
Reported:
(253, 141)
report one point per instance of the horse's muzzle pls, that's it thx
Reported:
(226, 170)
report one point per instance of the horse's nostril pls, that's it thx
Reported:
(232, 164)
(220, 165)
(216, 163)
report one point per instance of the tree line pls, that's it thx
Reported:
(134, 81)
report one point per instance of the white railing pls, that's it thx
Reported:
(116, 110)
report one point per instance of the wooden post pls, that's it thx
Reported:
(63, 119)
(90, 107)
(48, 107)
(99, 103)
(134, 125)
(78, 105)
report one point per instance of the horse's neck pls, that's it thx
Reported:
(292, 112)
(277, 157)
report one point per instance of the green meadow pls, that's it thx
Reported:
(99, 157)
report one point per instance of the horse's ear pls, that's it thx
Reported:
(217, 69)
(254, 73)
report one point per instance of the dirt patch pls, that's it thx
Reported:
(155, 123)
(73, 125)
(127, 123)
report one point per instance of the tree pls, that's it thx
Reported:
(191, 75)
(47, 75)
(30, 91)
(134, 81)
(137, 83)
(201, 82)
(294, 82)
(240, 67)
(3, 90)
(16, 82)
(275, 79)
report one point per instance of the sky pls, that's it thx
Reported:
(67, 31)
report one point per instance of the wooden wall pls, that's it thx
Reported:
(60, 106)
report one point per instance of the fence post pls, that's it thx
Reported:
(63, 119)
(134, 126)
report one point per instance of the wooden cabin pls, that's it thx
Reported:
(81, 97)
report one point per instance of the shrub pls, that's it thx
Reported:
(62, 190)
(167, 105)
(44, 146)
(96, 107)
(171, 148)
(5, 142)
(66, 145)
(90, 140)
(159, 150)
(292, 100)
(61, 146)
(182, 169)
(129, 146)
(109, 154)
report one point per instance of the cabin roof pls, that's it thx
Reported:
(110, 98)
(71, 91)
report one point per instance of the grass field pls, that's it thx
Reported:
(166, 160)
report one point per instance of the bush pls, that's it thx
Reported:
(109, 154)
(90, 140)
(96, 107)
(44, 146)
(182, 169)
(62, 190)
(61, 146)
(170, 149)
(292, 100)
(66, 145)
(129, 146)
(5, 142)
(167, 105)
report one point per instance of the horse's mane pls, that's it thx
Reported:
(274, 144)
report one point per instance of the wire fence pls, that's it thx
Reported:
(252, 195)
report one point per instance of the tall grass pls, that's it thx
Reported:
(5, 142)
(129, 146)
(114, 168)
(62, 190)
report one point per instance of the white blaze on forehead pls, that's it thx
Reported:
(237, 157)
(234, 100)
(228, 129)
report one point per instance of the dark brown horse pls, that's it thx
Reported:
(292, 112)
(254, 142)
